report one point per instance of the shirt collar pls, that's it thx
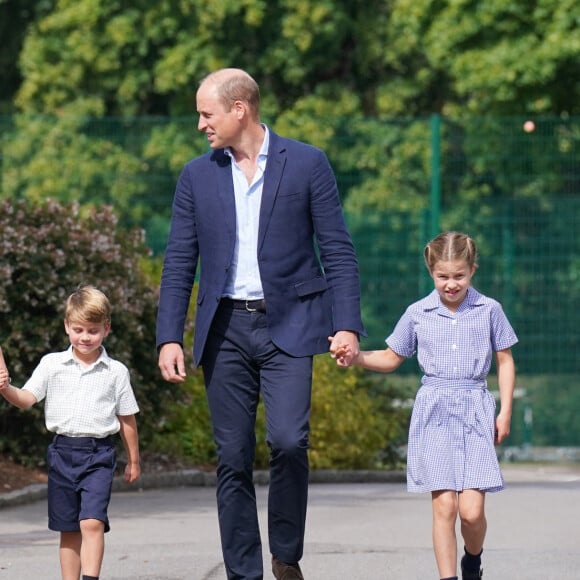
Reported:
(104, 359)
(473, 298)
(263, 153)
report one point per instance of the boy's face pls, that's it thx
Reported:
(86, 338)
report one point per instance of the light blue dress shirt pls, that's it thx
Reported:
(244, 281)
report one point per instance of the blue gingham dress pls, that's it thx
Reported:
(451, 436)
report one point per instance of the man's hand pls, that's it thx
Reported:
(344, 347)
(172, 363)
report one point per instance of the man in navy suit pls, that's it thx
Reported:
(278, 281)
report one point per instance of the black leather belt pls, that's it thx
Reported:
(82, 442)
(248, 305)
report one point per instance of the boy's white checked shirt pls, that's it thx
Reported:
(82, 401)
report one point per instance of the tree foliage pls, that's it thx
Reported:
(93, 162)
(342, 75)
(104, 57)
(350, 427)
(104, 92)
(16, 16)
(354, 424)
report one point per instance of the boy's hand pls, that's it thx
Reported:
(132, 472)
(4, 375)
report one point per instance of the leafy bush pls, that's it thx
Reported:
(46, 251)
(546, 411)
(186, 432)
(350, 429)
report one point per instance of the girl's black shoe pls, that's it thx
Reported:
(470, 575)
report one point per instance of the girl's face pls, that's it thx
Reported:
(86, 339)
(452, 279)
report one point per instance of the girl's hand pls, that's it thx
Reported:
(342, 352)
(502, 428)
(4, 378)
(344, 356)
(344, 347)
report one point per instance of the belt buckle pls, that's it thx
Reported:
(248, 306)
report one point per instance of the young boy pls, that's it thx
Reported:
(88, 399)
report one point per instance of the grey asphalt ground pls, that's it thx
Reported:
(368, 528)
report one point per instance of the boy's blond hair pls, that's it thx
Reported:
(87, 304)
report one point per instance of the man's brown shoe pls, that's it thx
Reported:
(285, 571)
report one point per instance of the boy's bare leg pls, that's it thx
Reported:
(445, 507)
(70, 555)
(93, 546)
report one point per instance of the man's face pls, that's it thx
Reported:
(220, 125)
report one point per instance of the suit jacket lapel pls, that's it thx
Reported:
(274, 170)
(225, 187)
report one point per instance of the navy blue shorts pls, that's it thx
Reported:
(80, 479)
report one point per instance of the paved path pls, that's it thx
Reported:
(356, 531)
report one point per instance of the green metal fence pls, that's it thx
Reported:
(515, 187)
(511, 183)
(529, 261)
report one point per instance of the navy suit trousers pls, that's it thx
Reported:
(240, 363)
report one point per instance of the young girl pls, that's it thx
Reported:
(451, 453)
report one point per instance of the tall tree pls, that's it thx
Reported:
(492, 56)
(105, 57)
(15, 18)
(325, 66)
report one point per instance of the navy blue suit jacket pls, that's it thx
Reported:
(311, 289)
